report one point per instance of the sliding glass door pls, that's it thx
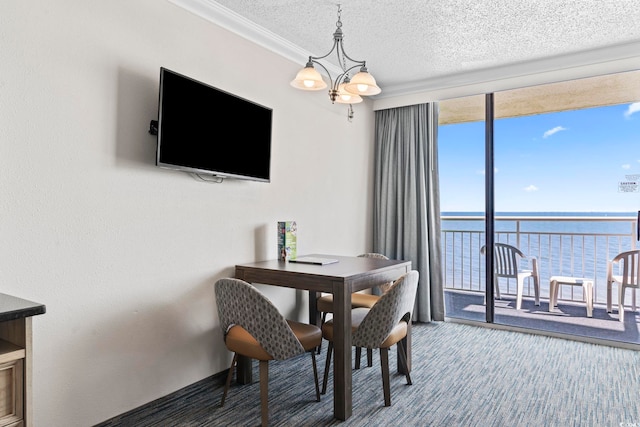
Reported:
(461, 148)
(565, 188)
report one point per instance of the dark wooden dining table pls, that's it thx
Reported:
(350, 274)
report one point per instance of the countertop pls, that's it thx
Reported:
(12, 308)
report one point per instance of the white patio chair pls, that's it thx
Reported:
(506, 264)
(630, 279)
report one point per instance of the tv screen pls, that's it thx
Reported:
(205, 130)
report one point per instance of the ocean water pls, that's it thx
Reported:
(578, 244)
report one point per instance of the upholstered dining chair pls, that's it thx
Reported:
(629, 261)
(324, 304)
(253, 327)
(383, 325)
(506, 264)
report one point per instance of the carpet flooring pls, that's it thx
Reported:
(463, 375)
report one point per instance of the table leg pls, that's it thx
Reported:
(342, 380)
(553, 294)
(314, 315)
(406, 344)
(244, 368)
(588, 290)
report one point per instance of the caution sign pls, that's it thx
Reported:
(629, 187)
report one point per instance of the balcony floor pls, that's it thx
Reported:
(570, 318)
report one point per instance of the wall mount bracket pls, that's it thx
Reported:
(153, 127)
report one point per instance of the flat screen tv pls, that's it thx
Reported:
(205, 130)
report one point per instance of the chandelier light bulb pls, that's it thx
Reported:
(308, 79)
(345, 97)
(363, 83)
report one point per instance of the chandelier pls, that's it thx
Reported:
(343, 89)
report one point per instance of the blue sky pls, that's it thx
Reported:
(571, 161)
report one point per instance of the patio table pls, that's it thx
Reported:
(587, 289)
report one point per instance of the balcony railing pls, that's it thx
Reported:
(576, 246)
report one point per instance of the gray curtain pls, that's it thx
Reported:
(406, 214)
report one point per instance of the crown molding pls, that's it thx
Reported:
(213, 12)
(238, 24)
(621, 57)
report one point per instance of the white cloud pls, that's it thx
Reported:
(550, 132)
(626, 166)
(633, 108)
(531, 188)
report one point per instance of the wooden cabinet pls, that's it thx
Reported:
(11, 392)
(16, 360)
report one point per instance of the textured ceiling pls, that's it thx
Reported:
(411, 41)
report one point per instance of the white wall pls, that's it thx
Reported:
(124, 254)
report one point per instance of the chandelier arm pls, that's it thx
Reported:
(313, 60)
(353, 67)
(360, 63)
(340, 78)
(335, 44)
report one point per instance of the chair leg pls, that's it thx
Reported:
(315, 374)
(229, 376)
(519, 294)
(327, 366)
(536, 289)
(264, 392)
(369, 357)
(324, 317)
(588, 292)
(358, 356)
(403, 360)
(621, 302)
(384, 364)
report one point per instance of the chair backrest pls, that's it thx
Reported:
(630, 262)
(392, 307)
(505, 260)
(240, 303)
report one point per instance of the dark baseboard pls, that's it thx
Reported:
(154, 405)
